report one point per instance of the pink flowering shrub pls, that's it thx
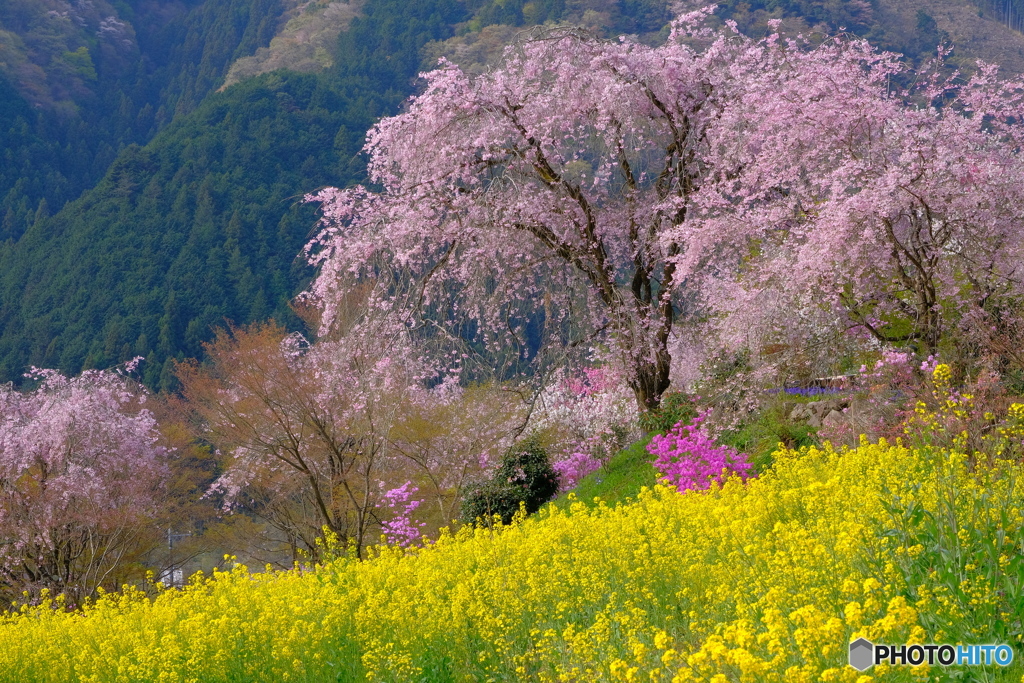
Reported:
(401, 529)
(688, 458)
(898, 371)
(573, 468)
(881, 396)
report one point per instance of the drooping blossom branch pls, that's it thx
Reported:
(401, 529)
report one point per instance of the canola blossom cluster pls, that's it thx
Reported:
(763, 580)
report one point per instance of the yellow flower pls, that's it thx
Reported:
(764, 580)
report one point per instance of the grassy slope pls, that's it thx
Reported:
(620, 479)
(628, 471)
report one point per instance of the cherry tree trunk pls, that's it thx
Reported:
(650, 380)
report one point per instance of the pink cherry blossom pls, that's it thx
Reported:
(81, 463)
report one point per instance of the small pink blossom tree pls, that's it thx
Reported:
(304, 428)
(327, 434)
(587, 417)
(80, 467)
(401, 529)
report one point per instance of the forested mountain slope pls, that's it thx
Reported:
(197, 227)
(203, 224)
(186, 208)
(81, 79)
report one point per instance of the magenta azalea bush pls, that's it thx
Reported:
(688, 458)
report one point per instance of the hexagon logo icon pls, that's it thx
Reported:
(862, 654)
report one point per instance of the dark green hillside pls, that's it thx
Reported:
(80, 82)
(189, 56)
(199, 226)
(203, 224)
(23, 182)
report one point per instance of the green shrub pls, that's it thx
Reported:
(525, 477)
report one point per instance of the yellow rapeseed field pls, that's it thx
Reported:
(766, 580)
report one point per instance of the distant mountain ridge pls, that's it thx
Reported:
(305, 42)
(82, 79)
